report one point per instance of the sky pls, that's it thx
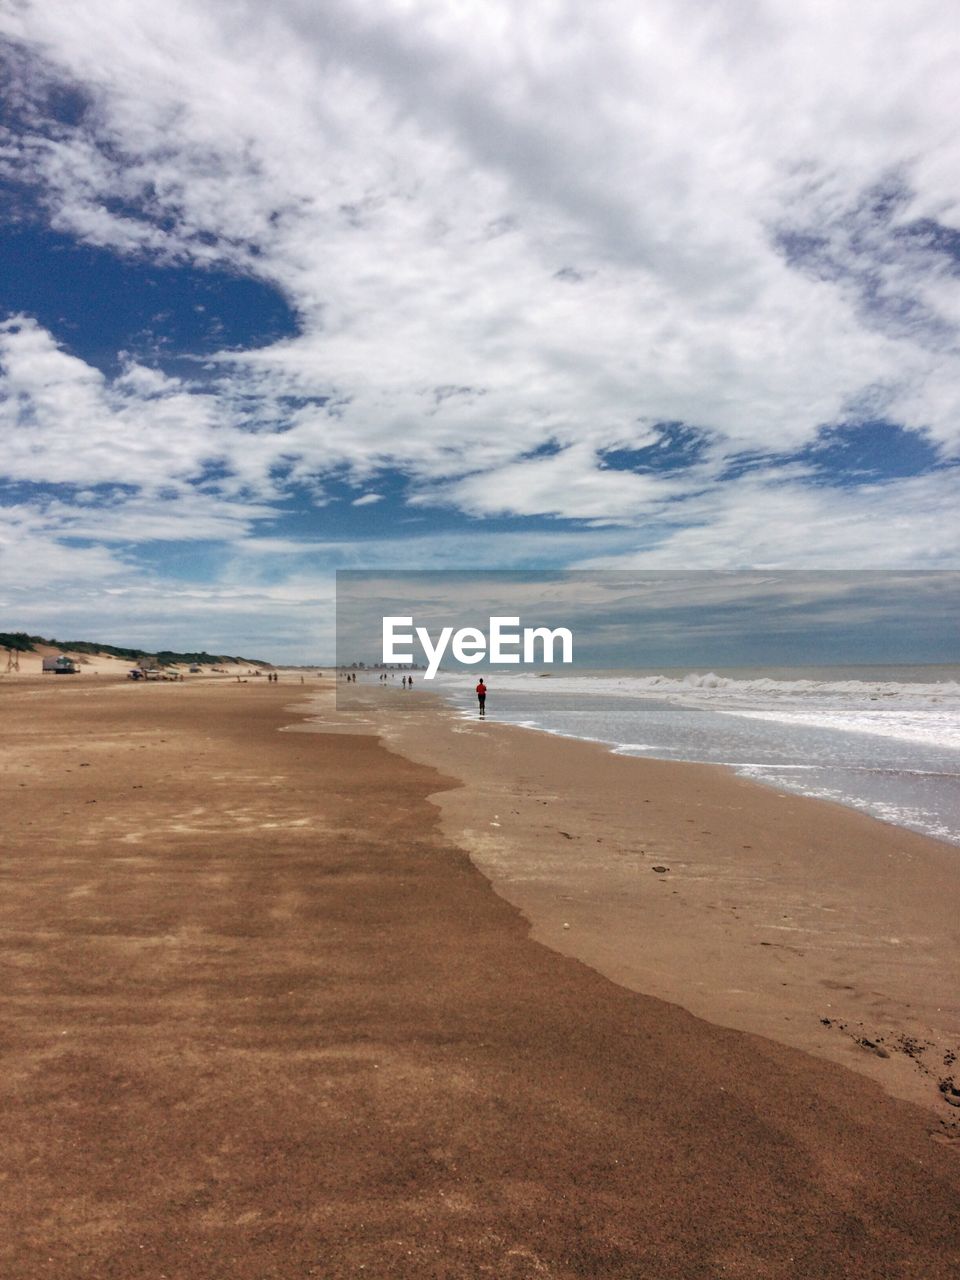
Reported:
(292, 288)
(637, 619)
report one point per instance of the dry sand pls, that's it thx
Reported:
(19, 666)
(263, 1018)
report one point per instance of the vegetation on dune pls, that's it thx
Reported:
(20, 642)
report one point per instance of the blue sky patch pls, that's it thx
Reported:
(13, 492)
(868, 453)
(845, 457)
(338, 518)
(678, 448)
(99, 304)
(864, 247)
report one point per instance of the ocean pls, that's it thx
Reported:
(885, 740)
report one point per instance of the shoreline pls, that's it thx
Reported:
(732, 770)
(843, 943)
(759, 772)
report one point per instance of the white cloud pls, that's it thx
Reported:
(33, 559)
(569, 483)
(758, 522)
(64, 422)
(415, 178)
(501, 228)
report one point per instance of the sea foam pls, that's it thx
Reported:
(916, 712)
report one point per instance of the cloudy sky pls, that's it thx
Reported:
(636, 619)
(292, 287)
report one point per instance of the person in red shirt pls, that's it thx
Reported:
(482, 698)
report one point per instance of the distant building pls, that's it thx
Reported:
(60, 666)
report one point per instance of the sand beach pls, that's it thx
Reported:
(606, 354)
(798, 919)
(280, 999)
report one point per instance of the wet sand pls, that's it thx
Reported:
(793, 918)
(262, 1017)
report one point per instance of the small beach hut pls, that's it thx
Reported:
(60, 666)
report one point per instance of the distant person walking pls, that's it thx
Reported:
(482, 698)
